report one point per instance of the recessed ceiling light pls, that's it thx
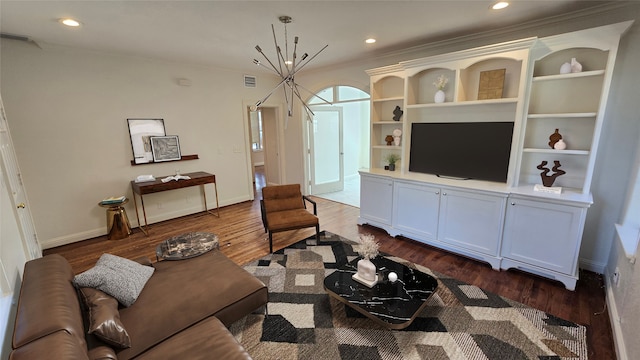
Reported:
(70, 22)
(500, 5)
(370, 41)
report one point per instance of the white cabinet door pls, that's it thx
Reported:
(471, 220)
(543, 234)
(415, 209)
(376, 199)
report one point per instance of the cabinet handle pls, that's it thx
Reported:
(513, 203)
(437, 192)
(444, 194)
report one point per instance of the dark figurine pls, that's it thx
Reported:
(547, 180)
(397, 113)
(389, 140)
(553, 138)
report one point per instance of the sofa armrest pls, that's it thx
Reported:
(315, 208)
(102, 353)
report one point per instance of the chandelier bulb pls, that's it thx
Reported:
(295, 40)
(258, 48)
(304, 56)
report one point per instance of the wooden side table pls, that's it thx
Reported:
(199, 178)
(118, 226)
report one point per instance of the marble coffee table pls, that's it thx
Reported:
(186, 246)
(394, 305)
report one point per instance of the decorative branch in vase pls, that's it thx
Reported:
(440, 83)
(368, 249)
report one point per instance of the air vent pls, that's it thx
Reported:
(14, 37)
(249, 81)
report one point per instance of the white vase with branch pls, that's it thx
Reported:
(368, 249)
(440, 83)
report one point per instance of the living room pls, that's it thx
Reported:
(67, 109)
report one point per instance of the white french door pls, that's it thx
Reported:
(18, 198)
(326, 152)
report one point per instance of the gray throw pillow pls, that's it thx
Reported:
(119, 277)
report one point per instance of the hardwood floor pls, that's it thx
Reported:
(242, 238)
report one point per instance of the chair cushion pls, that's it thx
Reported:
(282, 197)
(291, 219)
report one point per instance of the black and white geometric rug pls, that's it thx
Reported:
(461, 321)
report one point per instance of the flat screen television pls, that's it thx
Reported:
(469, 150)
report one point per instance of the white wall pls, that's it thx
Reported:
(67, 112)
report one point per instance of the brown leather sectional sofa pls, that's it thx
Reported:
(182, 312)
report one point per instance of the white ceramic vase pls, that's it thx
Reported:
(366, 270)
(565, 68)
(439, 97)
(560, 145)
(576, 67)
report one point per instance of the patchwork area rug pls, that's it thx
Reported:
(461, 321)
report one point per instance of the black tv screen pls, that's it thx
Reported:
(470, 150)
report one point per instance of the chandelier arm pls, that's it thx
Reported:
(316, 95)
(295, 91)
(313, 57)
(270, 63)
(275, 42)
(266, 67)
(286, 99)
(295, 54)
(269, 94)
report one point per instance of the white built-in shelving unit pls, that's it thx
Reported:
(508, 225)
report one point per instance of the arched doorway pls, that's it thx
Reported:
(338, 143)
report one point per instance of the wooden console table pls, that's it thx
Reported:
(196, 178)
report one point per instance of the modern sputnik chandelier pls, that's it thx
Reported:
(287, 69)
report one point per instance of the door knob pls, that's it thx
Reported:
(21, 206)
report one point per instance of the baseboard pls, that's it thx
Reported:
(592, 266)
(614, 317)
(101, 231)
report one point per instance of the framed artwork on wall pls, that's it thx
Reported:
(165, 148)
(140, 132)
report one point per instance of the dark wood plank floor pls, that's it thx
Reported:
(242, 238)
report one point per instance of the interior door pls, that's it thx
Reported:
(326, 152)
(271, 146)
(19, 198)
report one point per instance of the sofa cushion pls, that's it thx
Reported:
(182, 293)
(208, 339)
(104, 318)
(119, 277)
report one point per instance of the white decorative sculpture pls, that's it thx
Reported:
(397, 133)
(368, 249)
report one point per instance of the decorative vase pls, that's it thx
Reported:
(560, 145)
(553, 139)
(565, 68)
(575, 66)
(392, 167)
(366, 270)
(439, 97)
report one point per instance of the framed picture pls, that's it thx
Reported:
(140, 131)
(491, 84)
(165, 148)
